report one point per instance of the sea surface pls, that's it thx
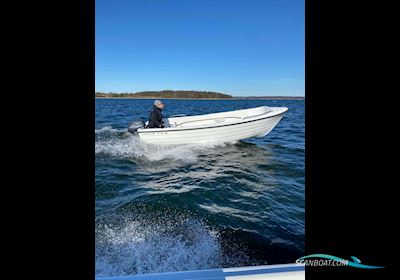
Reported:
(177, 208)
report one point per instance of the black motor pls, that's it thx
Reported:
(135, 125)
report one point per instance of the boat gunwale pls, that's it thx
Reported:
(167, 129)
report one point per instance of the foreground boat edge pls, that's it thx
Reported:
(276, 272)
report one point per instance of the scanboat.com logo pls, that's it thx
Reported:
(328, 260)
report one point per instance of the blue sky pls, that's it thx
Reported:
(242, 48)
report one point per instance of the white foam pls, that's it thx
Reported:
(139, 247)
(106, 129)
(120, 143)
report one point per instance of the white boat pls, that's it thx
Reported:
(222, 127)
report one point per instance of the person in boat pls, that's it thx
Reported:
(155, 118)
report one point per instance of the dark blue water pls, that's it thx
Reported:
(179, 208)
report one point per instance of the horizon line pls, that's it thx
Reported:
(127, 92)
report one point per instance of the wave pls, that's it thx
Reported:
(106, 129)
(120, 143)
(163, 243)
(171, 240)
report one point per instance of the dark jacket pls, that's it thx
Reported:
(155, 118)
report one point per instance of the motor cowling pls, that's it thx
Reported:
(135, 125)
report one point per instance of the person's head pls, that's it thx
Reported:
(159, 104)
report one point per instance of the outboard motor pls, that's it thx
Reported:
(135, 125)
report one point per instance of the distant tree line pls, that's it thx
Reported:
(166, 94)
(271, 97)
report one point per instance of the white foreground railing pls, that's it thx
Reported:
(276, 272)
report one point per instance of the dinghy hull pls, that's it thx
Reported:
(215, 128)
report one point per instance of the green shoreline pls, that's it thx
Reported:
(233, 98)
(187, 95)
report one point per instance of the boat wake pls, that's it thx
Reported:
(112, 142)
